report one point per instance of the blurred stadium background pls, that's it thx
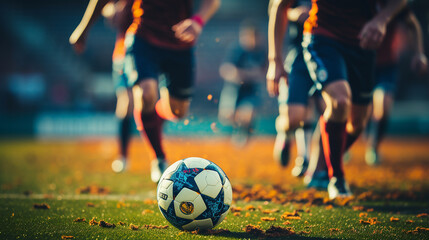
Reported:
(49, 91)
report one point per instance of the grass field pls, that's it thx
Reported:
(74, 180)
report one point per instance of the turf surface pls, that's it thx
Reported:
(74, 179)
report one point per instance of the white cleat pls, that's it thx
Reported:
(157, 168)
(119, 165)
(338, 188)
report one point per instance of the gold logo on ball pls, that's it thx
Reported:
(186, 208)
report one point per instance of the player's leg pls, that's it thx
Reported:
(290, 117)
(227, 103)
(382, 104)
(386, 78)
(337, 96)
(245, 109)
(142, 68)
(124, 110)
(149, 123)
(303, 135)
(293, 101)
(327, 67)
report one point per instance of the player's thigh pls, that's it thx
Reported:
(179, 70)
(300, 82)
(123, 103)
(358, 119)
(145, 94)
(327, 68)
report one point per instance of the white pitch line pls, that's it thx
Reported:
(117, 197)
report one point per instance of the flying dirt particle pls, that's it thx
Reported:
(147, 211)
(79, 220)
(93, 222)
(268, 211)
(358, 208)
(329, 207)
(134, 227)
(150, 226)
(250, 208)
(41, 206)
(393, 219)
(235, 209)
(105, 224)
(209, 97)
(149, 201)
(186, 122)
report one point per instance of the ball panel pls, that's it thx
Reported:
(171, 217)
(189, 204)
(215, 206)
(200, 224)
(227, 189)
(165, 193)
(208, 182)
(184, 178)
(196, 162)
(217, 169)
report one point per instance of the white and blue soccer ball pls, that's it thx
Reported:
(194, 193)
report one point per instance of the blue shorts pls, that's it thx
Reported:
(145, 60)
(301, 86)
(386, 78)
(329, 60)
(119, 77)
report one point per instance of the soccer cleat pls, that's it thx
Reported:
(281, 152)
(301, 165)
(371, 157)
(319, 180)
(338, 188)
(120, 165)
(157, 168)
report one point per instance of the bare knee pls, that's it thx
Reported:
(338, 101)
(145, 95)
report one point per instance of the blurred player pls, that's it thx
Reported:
(296, 95)
(160, 41)
(340, 36)
(120, 17)
(243, 71)
(403, 34)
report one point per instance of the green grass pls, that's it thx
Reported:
(21, 220)
(50, 172)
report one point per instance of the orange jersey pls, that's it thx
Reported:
(120, 50)
(340, 19)
(154, 19)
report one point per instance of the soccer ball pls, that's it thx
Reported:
(194, 193)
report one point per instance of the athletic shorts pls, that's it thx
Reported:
(386, 78)
(246, 93)
(119, 77)
(301, 87)
(145, 60)
(329, 60)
